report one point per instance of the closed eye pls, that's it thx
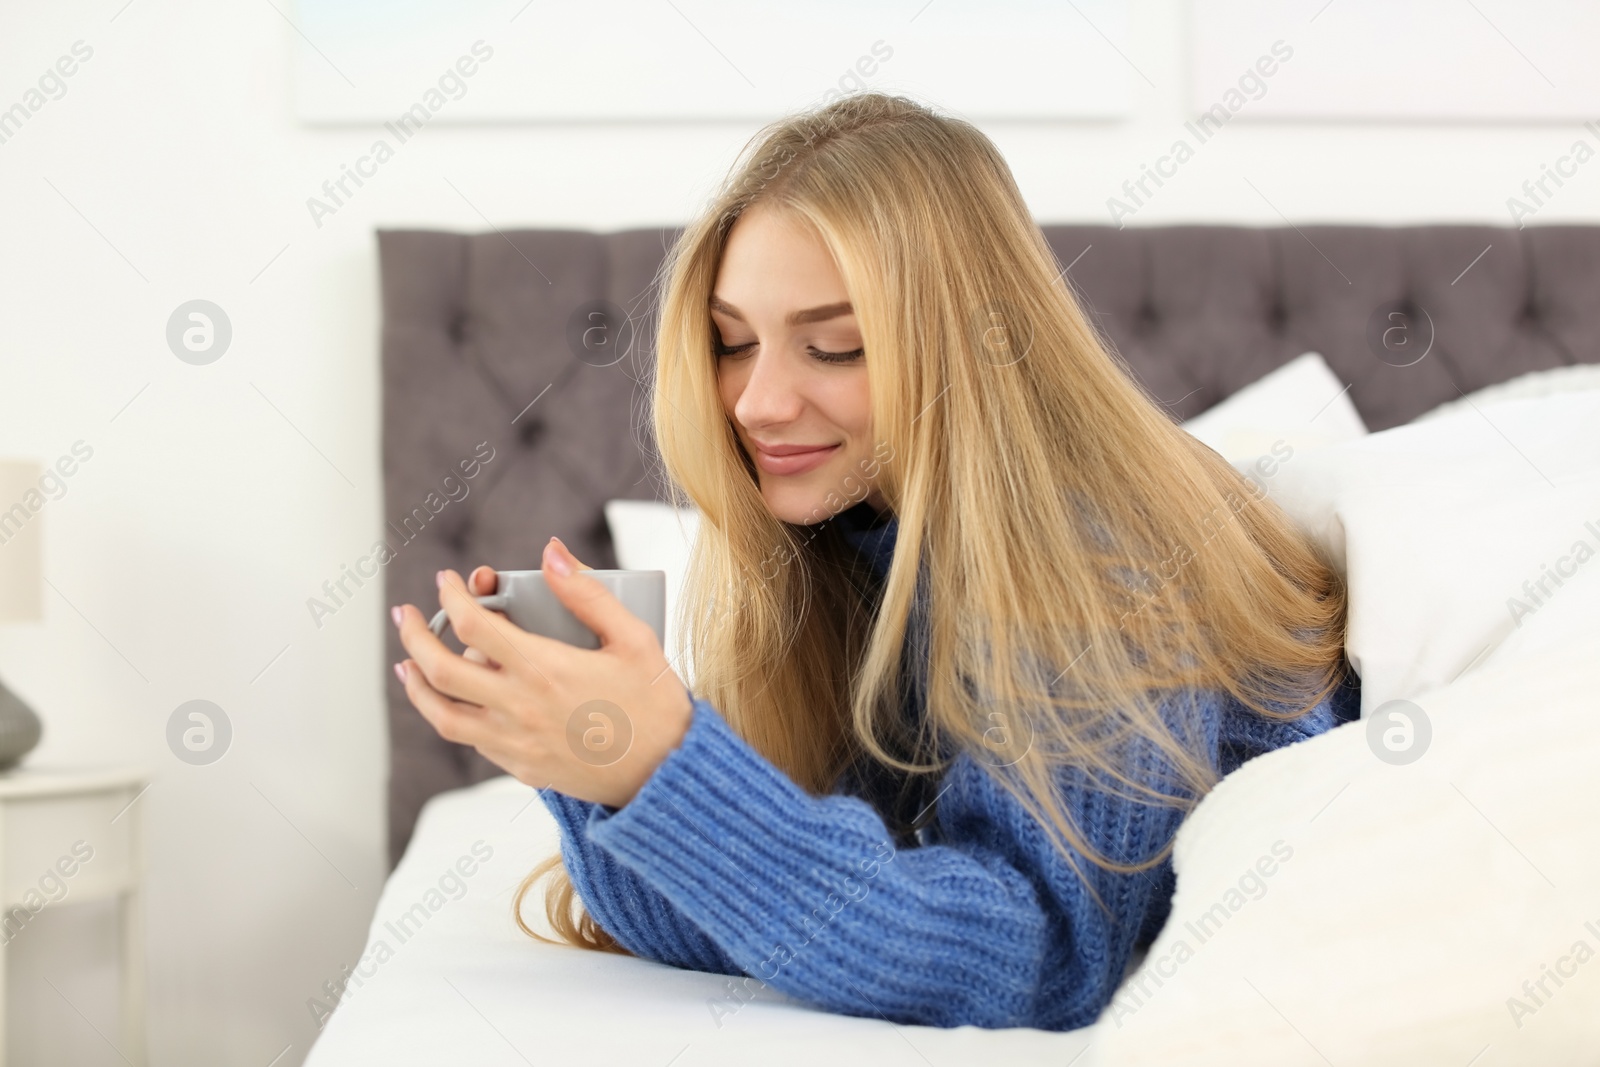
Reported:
(837, 357)
(731, 350)
(818, 354)
(821, 355)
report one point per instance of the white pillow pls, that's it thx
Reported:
(1445, 530)
(1302, 403)
(1579, 378)
(652, 536)
(1322, 852)
(1334, 908)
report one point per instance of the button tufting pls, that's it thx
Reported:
(459, 535)
(530, 432)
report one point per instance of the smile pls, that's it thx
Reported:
(795, 462)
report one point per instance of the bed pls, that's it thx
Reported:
(478, 364)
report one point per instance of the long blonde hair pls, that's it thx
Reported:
(1084, 559)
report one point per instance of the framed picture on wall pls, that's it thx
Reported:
(474, 61)
(1422, 60)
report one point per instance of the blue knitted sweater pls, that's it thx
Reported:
(721, 863)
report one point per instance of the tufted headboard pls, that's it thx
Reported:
(496, 435)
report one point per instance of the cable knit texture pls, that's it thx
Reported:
(721, 863)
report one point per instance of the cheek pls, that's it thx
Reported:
(847, 404)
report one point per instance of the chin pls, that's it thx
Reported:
(802, 501)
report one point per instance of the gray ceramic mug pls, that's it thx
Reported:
(531, 604)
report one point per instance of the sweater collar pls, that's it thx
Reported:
(870, 533)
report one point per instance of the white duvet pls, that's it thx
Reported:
(1332, 907)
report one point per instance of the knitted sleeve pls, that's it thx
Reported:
(984, 924)
(627, 907)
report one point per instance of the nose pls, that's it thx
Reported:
(771, 394)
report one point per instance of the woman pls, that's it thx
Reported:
(973, 623)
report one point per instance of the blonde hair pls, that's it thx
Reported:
(1084, 557)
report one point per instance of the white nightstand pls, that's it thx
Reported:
(76, 828)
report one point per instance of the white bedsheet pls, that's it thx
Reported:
(470, 988)
(1331, 908)
(1415, 901)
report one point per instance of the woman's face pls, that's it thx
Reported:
(790, 368)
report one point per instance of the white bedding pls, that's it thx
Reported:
(468, 987)
(1331, 908)
(1417, 899)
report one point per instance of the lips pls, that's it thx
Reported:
(788, 450)
(791, 459)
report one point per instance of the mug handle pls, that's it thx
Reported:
(494, 602)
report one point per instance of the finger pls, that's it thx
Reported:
(477, 656)
(445, 671)
(474, 624)
(483, 581)
(585, 597)
(453, 720)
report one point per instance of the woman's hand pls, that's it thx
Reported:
(591, 723)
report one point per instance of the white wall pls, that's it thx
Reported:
(207, 515)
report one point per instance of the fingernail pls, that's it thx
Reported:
(438, 579)
(394, 613)
(556, 552)
(400, 672)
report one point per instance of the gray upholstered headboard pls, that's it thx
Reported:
(478, 327)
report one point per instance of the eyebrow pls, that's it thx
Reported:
(795, 318)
